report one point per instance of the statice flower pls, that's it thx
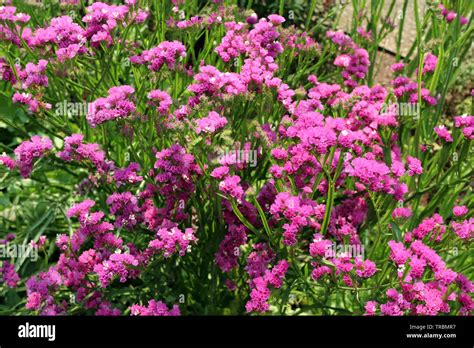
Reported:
(10, 18)
(120, 265)
(128, 175)
(167, 52)
(450, 16)
(76, 150)
(105, 309)
(370, 308)
(6, 72)
(170, 240)
(319, 138)
(175, 170)
(8, 275)
(31, 80)
(364, 268)
(211, 123)
(263, 40)
(231, 186)
(34, 75)
(429, 64)
(211, 82)
(154, 308)
(460, 210)
(467, 124)
(443, 133)
(339, 38)
(434, 261)
(101, 19)
(374, 174)
(260, 293)
(228, 254)
(464, 229)
(67, 37)
(356, 66)
(404, 213)
(233, 43)
(125, 208)
(397, 66)
(432, 225)
(298, 212)
(399, 254)
(258, 260)
(34, 103)
(403, 86)
(258, 71)
(417, 267)
(220, 172)
(319, 246)
(320, 271)
(117, 105)
(28, 151)
(161, 100)
(7, 162)
(414, 166)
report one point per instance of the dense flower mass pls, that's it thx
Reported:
(206, 160)
(165, 53)
(118, 104)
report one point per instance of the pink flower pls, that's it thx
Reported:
(154, 308)
(464, 229)
(125, 208)
(101, 19)
(460, 211)
(398, 66)
(231, 186)
(9, 276)
(370, 307)
(220, 172)
(10, 163)
(232, 44)
(172, 239)
(443, 133)
(76, 150)
(33, 301)
(364, 269)
(429, 64)
(374, 174)
(404, 213)
(117, 105)
(414, 166)
(28, 151)
(399, 254)
(160, 99)
(117, 265)
(167, 52)
(127, 175)
(211, 123)
(276, 19)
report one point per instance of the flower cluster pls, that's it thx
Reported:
(154, 308)
(211, 123)
(117, 105)
(76, 150)
(327, 189)
(166, 52)
(26, 153)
